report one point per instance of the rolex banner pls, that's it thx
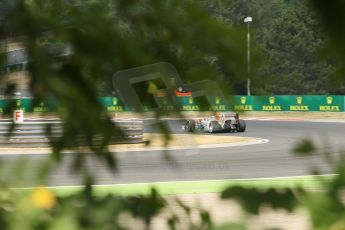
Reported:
(298, 103)
(27, 105)
(111, 104)
(288, 103)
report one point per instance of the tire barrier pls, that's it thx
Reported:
(34, 133)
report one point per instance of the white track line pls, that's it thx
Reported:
(251, 141)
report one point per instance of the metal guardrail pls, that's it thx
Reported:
(34, 133)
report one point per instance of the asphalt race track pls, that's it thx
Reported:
(273, 159)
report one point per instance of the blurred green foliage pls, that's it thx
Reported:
(107, 36)
(201, 42)
(252, 199)
(103, 37)
(304, 148)
(145, 207)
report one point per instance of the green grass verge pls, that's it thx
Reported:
(188, 187)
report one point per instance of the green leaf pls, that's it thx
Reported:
(305, 147)
(251, 199)
(145, 207)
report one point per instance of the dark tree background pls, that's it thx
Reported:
(290, 37)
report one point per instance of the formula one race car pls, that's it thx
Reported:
(228, 121)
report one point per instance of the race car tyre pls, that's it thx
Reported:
(241, 126)
(212, 127)
(190, 126)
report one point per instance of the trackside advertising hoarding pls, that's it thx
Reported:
(211, 103)
(111, 104)
(297, 103)
(27, 105)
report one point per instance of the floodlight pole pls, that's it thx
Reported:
(248, 20)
